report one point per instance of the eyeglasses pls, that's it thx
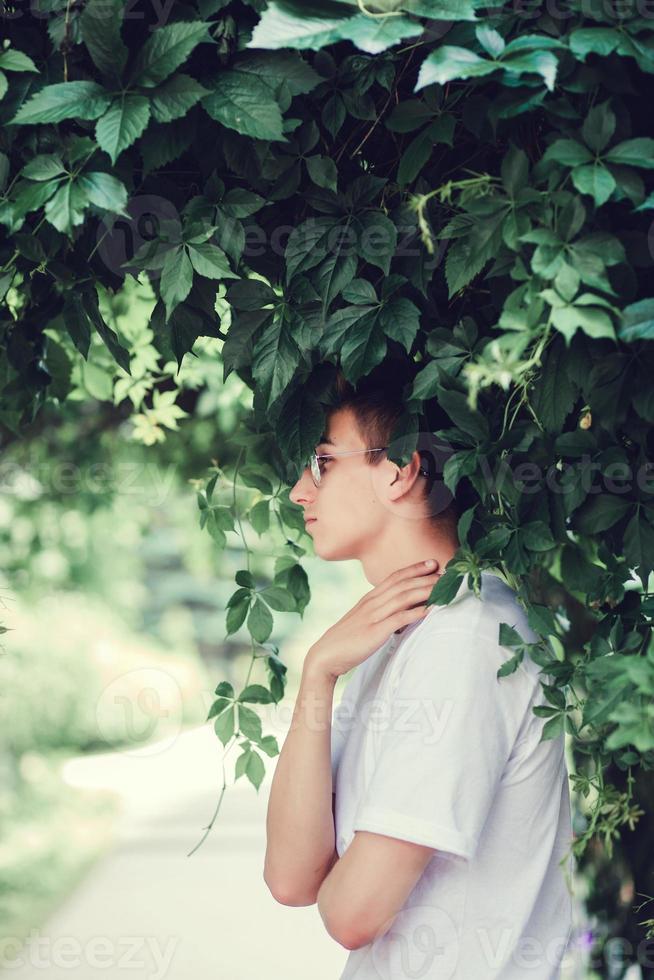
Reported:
(314, 465)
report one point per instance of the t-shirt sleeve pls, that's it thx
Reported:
(448, 733)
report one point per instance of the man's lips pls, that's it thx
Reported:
(309, 520)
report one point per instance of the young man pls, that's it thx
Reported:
(424, 816)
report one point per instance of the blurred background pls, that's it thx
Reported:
(112, 604)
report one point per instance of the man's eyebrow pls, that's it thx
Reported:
(325, 441)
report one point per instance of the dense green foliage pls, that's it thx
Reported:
(323, 183)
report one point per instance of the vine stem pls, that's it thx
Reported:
(253, 658)
(207, 829)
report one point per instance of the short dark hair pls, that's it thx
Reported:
(378, 402)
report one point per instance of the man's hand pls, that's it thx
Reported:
(395, 602)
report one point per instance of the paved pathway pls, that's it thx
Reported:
(147, 911)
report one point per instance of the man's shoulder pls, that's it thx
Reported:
(476, 614)
(473, 621)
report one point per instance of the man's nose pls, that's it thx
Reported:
(302, 489)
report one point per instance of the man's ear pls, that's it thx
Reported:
(414, 461)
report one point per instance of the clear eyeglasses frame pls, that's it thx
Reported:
(314, 465)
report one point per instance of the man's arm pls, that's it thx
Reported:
(367, 887)
(300, 848)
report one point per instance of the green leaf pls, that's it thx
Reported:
(279, 28)
(467, 256)
(322, 171)
(355, 332)
(285, 72)
(166, 143)
(219, 520)
(259, 516)
(253, 477)
(460, 464)
(599, 126)
(566, 282)
(634, 153)
(552, 728)
(260, 621)
(639, 546)
(637, 321)
(600, 513)
(12, 60)
(408, 115)
(210, 261)
(104, 191)
(250, 763)
(122, 124)
(280, 599)
(243, 102)
(256, 694)
(593, 321)
(109, 336)
(224, 725)
(374, 35)
(446, 588)
(224, 690)
(595, 180)
(414, 158)
(275, 356)
(219, 705)
(515, 170)
(100, 24)
(543, 63)
(568, 152)
(269, 743)
(511, 665)
(333, 114)
(63, 100)
(448, 62)
(239, 203)
(236, 616)
(165, 50)
(554, 393)
(309, 243)
(593, 40)
(541, 619)
(536, 536)
(31, 196)
(400, 320)
(175, 97)
(464, 417)
(176, 278)
(46, 166)
(77, 322)
(377, 240)
(361, 292)
(491, 41)
(65, 209)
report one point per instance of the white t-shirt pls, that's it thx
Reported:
(429, 745)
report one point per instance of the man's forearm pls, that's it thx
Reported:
(299, 822)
